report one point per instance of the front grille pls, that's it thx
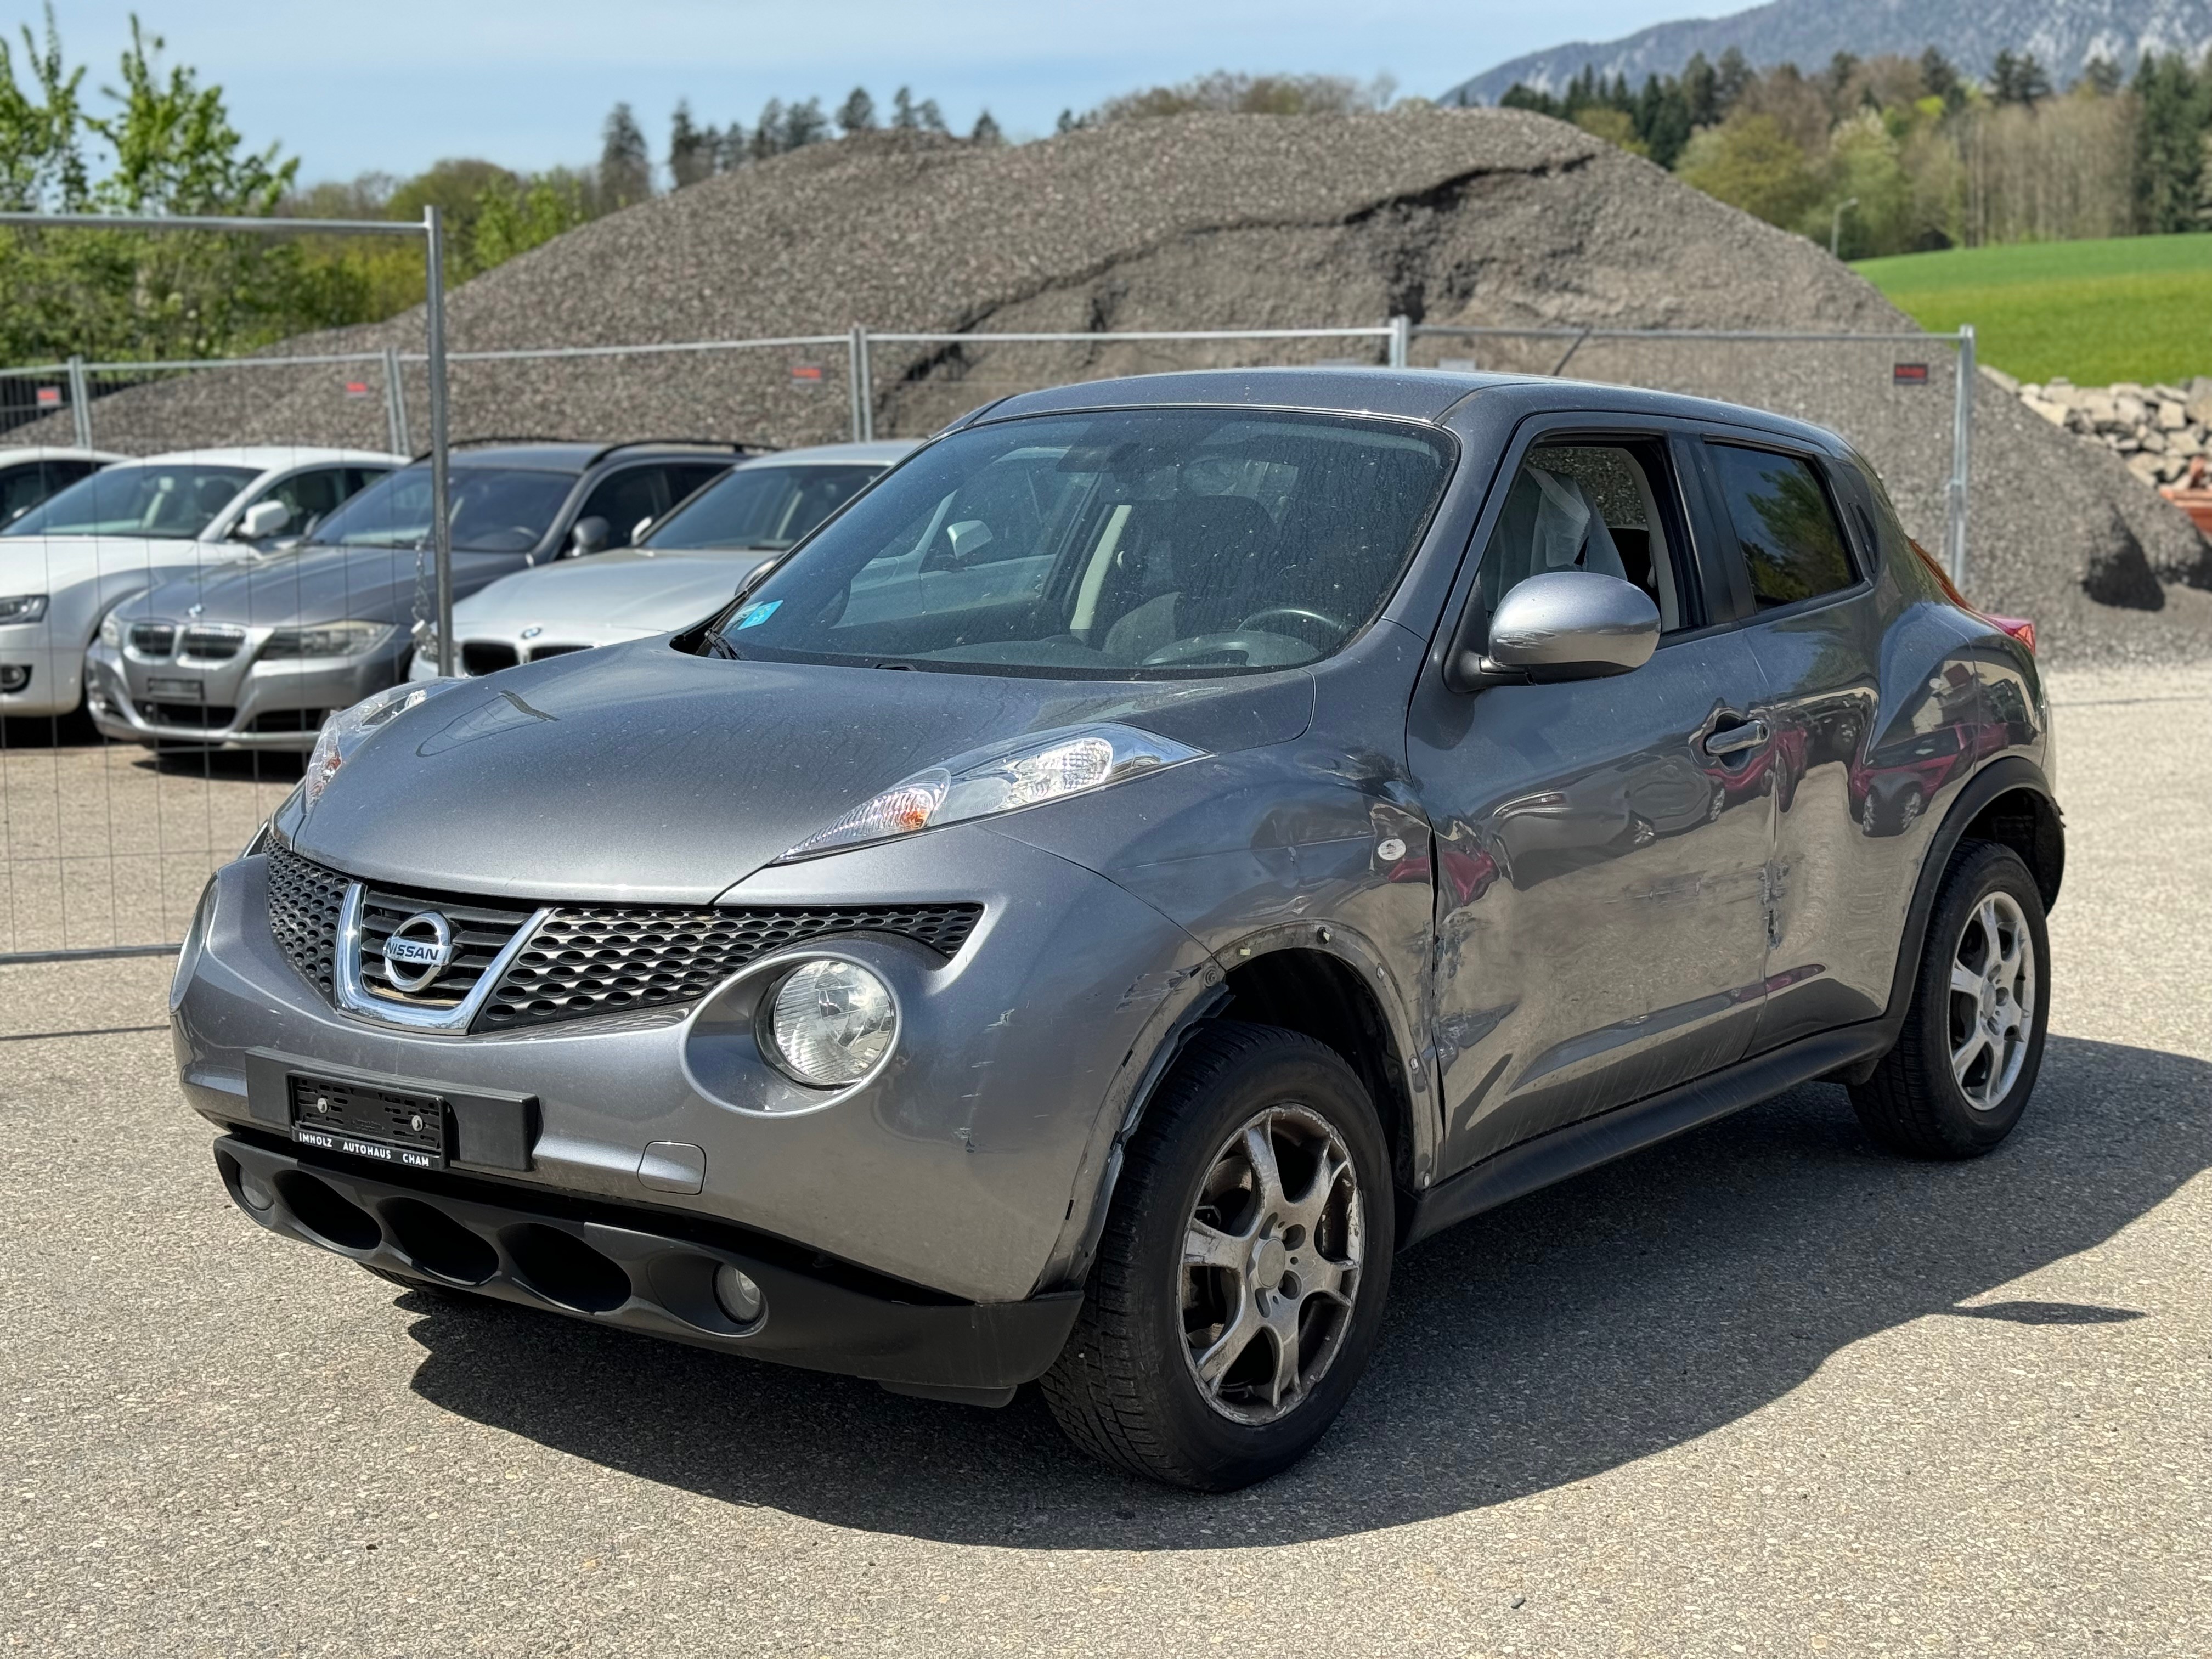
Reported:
(583, 959)
(480, 933)
(590, 961)
(304, 900)
(210, 644)
(539, 653)
(486, 657)
(153, 639)
(288, 720)
(205, 717)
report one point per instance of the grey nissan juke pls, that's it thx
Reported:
(1167, 847)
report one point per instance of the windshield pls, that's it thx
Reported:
(166, 502)
(1136, 544)
(763, 505)
(494, 509)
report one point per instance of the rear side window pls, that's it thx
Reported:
(1784, 525)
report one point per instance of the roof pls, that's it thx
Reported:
(577, 455)
(1421, 394)
(9, 457)
(882, 452)
(268, 457)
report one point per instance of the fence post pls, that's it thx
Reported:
(1962, 446)
(1401, 341)
(442, 531)
(79, 403)
(861, 378)
(395, 405)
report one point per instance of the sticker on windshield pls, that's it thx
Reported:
(753, 614)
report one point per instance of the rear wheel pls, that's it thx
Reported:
(1966, 1060)
(1240, 1280)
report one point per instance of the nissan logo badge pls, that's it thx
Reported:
(418, 950)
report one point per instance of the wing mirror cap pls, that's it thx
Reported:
(264, 519)
(589, 536)
(1563, 625)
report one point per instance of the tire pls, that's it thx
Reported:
(1918, 1102)
(1127, 1388)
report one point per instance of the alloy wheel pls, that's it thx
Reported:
(1271, 1264)
(1992, 1001)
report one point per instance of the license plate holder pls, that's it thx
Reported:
(363, 1120)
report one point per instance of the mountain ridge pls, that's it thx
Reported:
(2064, 35)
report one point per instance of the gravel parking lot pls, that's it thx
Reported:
(1763, 1390)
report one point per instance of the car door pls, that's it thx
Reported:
(1599, 873)
(1803, 551)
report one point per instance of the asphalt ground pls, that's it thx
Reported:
(1762, 1391)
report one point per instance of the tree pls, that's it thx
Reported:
(1942, 79)
(625, 163)
(2100, 78)
(986, 131)
(41, 149)
(857, 113)
(692, 151)
(1749, 162)
(904, 117)
(768, 132)
(803, 125)
(1662, 119)
(2172, 116)
(1731, 79)
(1613, 127)
(1701, 92)
(2019, 80)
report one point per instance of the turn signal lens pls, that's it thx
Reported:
(831, 1023)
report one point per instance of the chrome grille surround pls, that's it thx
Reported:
(209, 642)
(151, 639)
(514, 967)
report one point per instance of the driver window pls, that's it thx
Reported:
(1586, 507)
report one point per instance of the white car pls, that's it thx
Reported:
(682, 568)
(30, 475)
(68, 561)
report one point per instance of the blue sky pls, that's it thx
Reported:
(349, 86)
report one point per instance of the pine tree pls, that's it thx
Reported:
(2169, 143)
(625, 163)
(803, 125)
(2100, 77)
(2019, 79)
(986, 131)
(1731, 81)
(857, 113)
(902, 116)
(1700, 91)
(692, 151)
(929, 117)
(767, 133)
(1942, 79)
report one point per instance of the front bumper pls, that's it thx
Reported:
(242, 703)
(644, 1271)
(44, 679)
(962, 1165)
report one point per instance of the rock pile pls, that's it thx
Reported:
(2156, 429)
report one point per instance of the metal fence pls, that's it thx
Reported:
(104, 847)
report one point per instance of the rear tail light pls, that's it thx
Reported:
(2020, 627)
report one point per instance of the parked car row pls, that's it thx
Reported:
(234, 597)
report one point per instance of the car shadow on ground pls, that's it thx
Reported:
(1634, 1309)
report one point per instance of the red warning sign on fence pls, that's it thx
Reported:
(806, 373)
(356, 388)
(50, 396)
(1909, 374)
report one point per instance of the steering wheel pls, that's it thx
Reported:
(1296, 613)
(1258, 650)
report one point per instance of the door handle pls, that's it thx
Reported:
(1734, 739)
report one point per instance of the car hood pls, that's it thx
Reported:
(315, 584)
(42, 561)
(648, 592)
(639, 773)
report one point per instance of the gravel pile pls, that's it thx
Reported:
(1482, 217)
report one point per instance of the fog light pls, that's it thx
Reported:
(15, 676)
(829, 1022)
(740, 1297)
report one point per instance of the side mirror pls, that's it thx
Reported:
(754, 577)
(637, 531)
(261, 521)
(962, 542)
(589, 536)
(1563, 625)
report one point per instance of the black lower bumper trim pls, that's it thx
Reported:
(656, 1284)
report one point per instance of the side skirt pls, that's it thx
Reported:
(1521, 1169)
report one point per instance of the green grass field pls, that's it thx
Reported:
(2129, 308)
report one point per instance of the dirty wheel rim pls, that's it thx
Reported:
(1992, 1001)
(1271, 1264)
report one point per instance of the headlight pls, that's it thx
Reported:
(1039, 769)
(111, 630)
(188, 957)
(348, 729)
(337, 639)
(831, 1023)
(23, 608)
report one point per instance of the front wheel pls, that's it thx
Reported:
(1966, 1060)
(1240, 1280)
